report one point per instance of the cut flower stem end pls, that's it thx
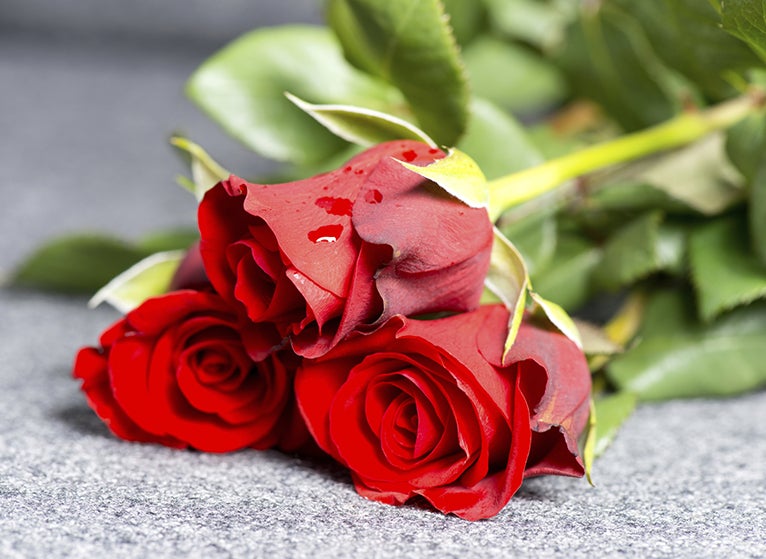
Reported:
(513, 189)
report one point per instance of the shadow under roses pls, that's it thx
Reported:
(80, 418)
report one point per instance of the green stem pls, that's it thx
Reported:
(516, 188)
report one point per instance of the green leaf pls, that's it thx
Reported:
(538, 22)
(746, 20)
(408, 43)
(457, 174)
(757, 213)
(466, 17)
(534, 237)
(567, 278)
(507, 278)
(687, 35)
(361, 126)
(76, 264)
(611, 411)
(497, 142)
(242, 87)
(558, 317)
(608, 57)
(724, 271)
(512, 76)
(205, 171)
(677, 357)
(746, 143)
(699, 175)
(148, 278)
(627, 199)
(631, 253)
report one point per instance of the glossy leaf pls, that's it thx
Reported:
(724, 271)
(76, 264)
(746, 20)
(409, 44)
(507, 279)
(242, 87)
(497, 142)
(678, 357)
(147, 278)
(361, 126)
(206, 172)
(457, 174)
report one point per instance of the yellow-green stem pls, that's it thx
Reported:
(516, 188)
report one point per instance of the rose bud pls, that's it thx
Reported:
(314, 259)
(174, 371)
(425, 408)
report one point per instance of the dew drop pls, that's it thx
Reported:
(335, 206)
(347, 169)
(359, 172)
(409, 155)
(373, 197)
(326, 234)
(433, 151)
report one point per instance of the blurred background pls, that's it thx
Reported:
(90, 92)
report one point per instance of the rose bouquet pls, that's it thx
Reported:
(375, 305)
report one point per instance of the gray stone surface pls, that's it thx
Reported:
(83, 147)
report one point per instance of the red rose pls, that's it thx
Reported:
(317, 258)
(174, 371)
(426, 408)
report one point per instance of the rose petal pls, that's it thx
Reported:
(487, 497)
(433, 236)
(91, 366)
(564, 405)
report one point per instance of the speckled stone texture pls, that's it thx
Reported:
(84, 124)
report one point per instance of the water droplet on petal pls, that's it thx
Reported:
(359, 172)
(326, 234)
(433, 151)
(373, 197)
(409, 155)
(335, 206)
